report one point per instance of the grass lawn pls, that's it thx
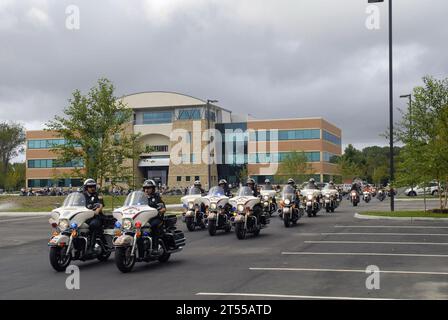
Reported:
(44, 204)
(407, 214)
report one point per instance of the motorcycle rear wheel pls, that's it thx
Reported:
(124, 261)
(58, 262)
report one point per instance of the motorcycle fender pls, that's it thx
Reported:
(286, 210)
(211, 216)
(239, 218)
(57, 240)
(327, 201)
(309, 204)
(123, 241)
(189, 214)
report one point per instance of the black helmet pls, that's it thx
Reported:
(149, 184)
(250, 181)
(197, 183)
(89, 183)
(291, 181)
(222, 181)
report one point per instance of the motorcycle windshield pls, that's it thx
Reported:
(245, 192)
(268, 188)
(328, 187)
(194, 191)
(136, 198)
(75, 199)
(310, 186)
(288, 192)
(216, 192)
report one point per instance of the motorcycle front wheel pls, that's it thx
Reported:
(190, 224)
(123, 259)
(240, 231)
(212, 227)
(58, 258)
(287, 220)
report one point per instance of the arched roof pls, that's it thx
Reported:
(153, 99)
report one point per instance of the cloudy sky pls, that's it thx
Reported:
(282, 58)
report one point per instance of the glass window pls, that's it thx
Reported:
(189, 114)
(179, 178)
(157, 117)
(331, 137)
(302, 134)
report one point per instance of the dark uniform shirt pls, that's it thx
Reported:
(93, 199)
(155, 201)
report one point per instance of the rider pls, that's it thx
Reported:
(94, 202)
(198, 185)
(155, 201)
(268, 186)
(292, 183)
(312, 184)
(251, 184)
(224, 185)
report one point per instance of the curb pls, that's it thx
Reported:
(24, 214)
(365, 217)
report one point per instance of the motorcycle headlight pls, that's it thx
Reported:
(240, 208)
(266, 204)
(63, 224)
(327, 196)
(309, 197)
(213, 206)
(190, 205)
(287, 201)
(127, 224)
(265, 198)
(353, 194)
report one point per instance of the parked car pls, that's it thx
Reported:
(432, 189)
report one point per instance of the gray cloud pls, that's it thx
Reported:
(267, 58)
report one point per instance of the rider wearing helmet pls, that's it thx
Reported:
(251, 184)
(155, 201)
(225, 186)
(198, 185)
(94, 202)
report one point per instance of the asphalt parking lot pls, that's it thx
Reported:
(322, 258)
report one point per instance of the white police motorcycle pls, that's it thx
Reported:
(331, 198)
(218, 210)
(133, 240)
(193, 215)
(291, 210)
(268, 197)
(71, 235)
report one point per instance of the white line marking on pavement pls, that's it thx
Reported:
(349, 270)
(368, 254)
(382, 234)
(398, 227)
(288, 296)
(20, 219)
(379, 242)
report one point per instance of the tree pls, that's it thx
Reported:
(424, 131)
(296, 166)
(98, 134)
(12, 138)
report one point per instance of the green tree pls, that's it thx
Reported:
(12, 138)
(296, 166)
(424, 131)
(98, 133)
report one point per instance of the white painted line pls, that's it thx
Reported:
(284, 296)
(383, 234)
(349, 270)
(21, 219)
(368, 254)
(398, 227)
(379, 242)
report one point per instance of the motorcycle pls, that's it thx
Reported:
(312, 201)
(248, 212)
(133, 241)
(268, 197)
(193, 215)
(366, 196)
(381, 195)
(218, 214)
(331, 199)
(291, 211)
(354, 197)
(71, 235)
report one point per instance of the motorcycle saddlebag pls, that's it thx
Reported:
(170, 221)
(175, 239)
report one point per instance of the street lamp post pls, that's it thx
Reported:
(208, 130)
(391, 104)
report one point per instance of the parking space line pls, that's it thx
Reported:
(377, 242)
(398, 227)
(350, 270)
(383, 234)
(368, 254)
(283, 296)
